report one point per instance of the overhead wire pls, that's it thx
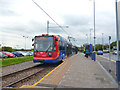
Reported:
(50, 17)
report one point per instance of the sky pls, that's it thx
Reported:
(20, 18)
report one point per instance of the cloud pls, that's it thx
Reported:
(8, 12)
(19, 18)
(76, 20)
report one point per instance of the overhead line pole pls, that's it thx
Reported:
(117, 30)
(47, 27)
(102, 41)
(87, 37)
(50, 18)
(94, 23)
(90, 35)
(118, 37)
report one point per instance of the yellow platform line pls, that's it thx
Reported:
(48, 74)
(108, 59)
(25, 86)
(43, 77)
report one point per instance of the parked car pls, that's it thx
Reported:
(105, 51)
(10, 55)
(99, 52)
(30, 53)
(17, 54)
(2, 55)
(24, 53)
(27, 53)
(115, 52)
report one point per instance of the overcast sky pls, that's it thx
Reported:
(20, 18)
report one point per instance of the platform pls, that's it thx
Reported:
(76, 72)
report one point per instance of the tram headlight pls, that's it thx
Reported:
(49, 53)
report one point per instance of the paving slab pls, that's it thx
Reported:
(77, 71)
(85, 73)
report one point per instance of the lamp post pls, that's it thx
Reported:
(94, 29)
(109, 55)
(102, 41)
(87, 37)
(117, 6)
(47, 27)
(90, 35)
(94, 24)
(25, 41)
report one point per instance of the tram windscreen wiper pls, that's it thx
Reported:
(48, 48)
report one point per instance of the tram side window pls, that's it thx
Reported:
(54, 45)
(60, 45)
(63, 46)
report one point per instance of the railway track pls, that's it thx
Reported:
(14, 84)
(26, 77)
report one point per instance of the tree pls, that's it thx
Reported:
(106, 46)
(9, 49)
(113, 44)
(98, 47)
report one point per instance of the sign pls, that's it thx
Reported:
(39, 38)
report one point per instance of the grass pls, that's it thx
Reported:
(11, 61)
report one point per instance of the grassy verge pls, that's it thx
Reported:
(11, 61)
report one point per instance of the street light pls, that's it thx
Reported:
(90, 35)
(102, 41)
(109, 55)
(25, 40)
(117, 4)
(87, 37)
(47, 27)
(94, 25)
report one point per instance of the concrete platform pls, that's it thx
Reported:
(85, 73)
(76, 72)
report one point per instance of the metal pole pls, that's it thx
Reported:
(109, 55)
(47, 27)
(2, 49)
(102, 41)
(117, 33)
(87, 37)
(94, 25)
(90, 36)
(25, 43)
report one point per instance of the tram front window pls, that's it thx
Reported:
(44, 43)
